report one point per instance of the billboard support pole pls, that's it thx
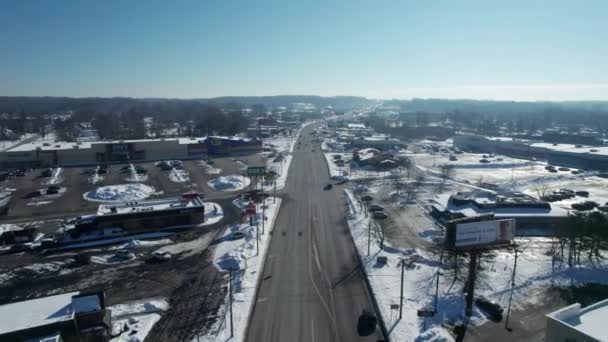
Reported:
(471, 281)
(512, 286)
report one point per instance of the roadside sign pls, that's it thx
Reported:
(253, 171)
(426, 313)
(394, 306)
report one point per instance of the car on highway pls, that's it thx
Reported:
(327, 187)
(492, 309)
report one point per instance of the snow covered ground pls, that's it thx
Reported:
(120, 193)
(240, 256)
(229, 183)
(213, 213)
(534, 271)
(134, 320)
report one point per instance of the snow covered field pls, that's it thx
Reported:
(120, 193)
(240, 256)
(534, 272)
(134, 320)
(229, 183)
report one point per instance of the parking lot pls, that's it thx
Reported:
(73, 182)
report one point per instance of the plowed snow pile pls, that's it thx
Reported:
(120, 193)
(229, 183)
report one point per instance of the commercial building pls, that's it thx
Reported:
(529, 212)
(141, 216)
(381, 142)
(577, 156)
(574, 323)
(68, 317)
(50, 154)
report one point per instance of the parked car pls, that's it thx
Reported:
(375, 207)
(490, 308)
(484, 161)
(124, 254)
(20, 173)
(582, 193)
(53, 189)
(379, 215)
(564, 169)
(328, 186)
(102, 171)
(161, 256)
(33, 194)
(237, 235)
(46, 173)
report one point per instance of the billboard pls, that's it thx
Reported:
(480, 234)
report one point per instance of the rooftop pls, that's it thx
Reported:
(590, 320)
(149, 205)
(36, 312)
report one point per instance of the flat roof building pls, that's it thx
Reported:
(49, 154)
(575, 323)
(67, 317)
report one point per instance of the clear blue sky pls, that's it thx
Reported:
(550, 49)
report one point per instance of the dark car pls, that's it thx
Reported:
(327, 187)
(343, 181)
(375, 207)
(33, 194)
(210, 162)
(53, 189)
(366, 324)
(102, 171)
(379, 215)
(492, 309)
(20, 173)
(46, 173)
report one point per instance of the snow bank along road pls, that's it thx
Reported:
(311, 288)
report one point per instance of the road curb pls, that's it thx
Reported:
(368, 285)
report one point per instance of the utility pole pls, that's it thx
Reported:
(257, 240)
(402, 278)
(263, 212)
(231, 321)
(274, 199)
(369, 233)
(512, 285)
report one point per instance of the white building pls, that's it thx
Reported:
(576, 324)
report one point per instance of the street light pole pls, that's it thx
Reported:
(231, 320)
(401, 297)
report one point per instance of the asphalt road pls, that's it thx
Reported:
(312, 289)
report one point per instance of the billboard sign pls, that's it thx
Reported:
(481, 233)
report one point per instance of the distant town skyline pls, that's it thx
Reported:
(516, 50)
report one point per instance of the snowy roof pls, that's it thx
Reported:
(591, 320)
(572, 148)
(63, 145)
(36, 312)
(149, 205)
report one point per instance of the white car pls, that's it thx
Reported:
(125, 254)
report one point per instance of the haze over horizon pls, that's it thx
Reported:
(547, 50)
